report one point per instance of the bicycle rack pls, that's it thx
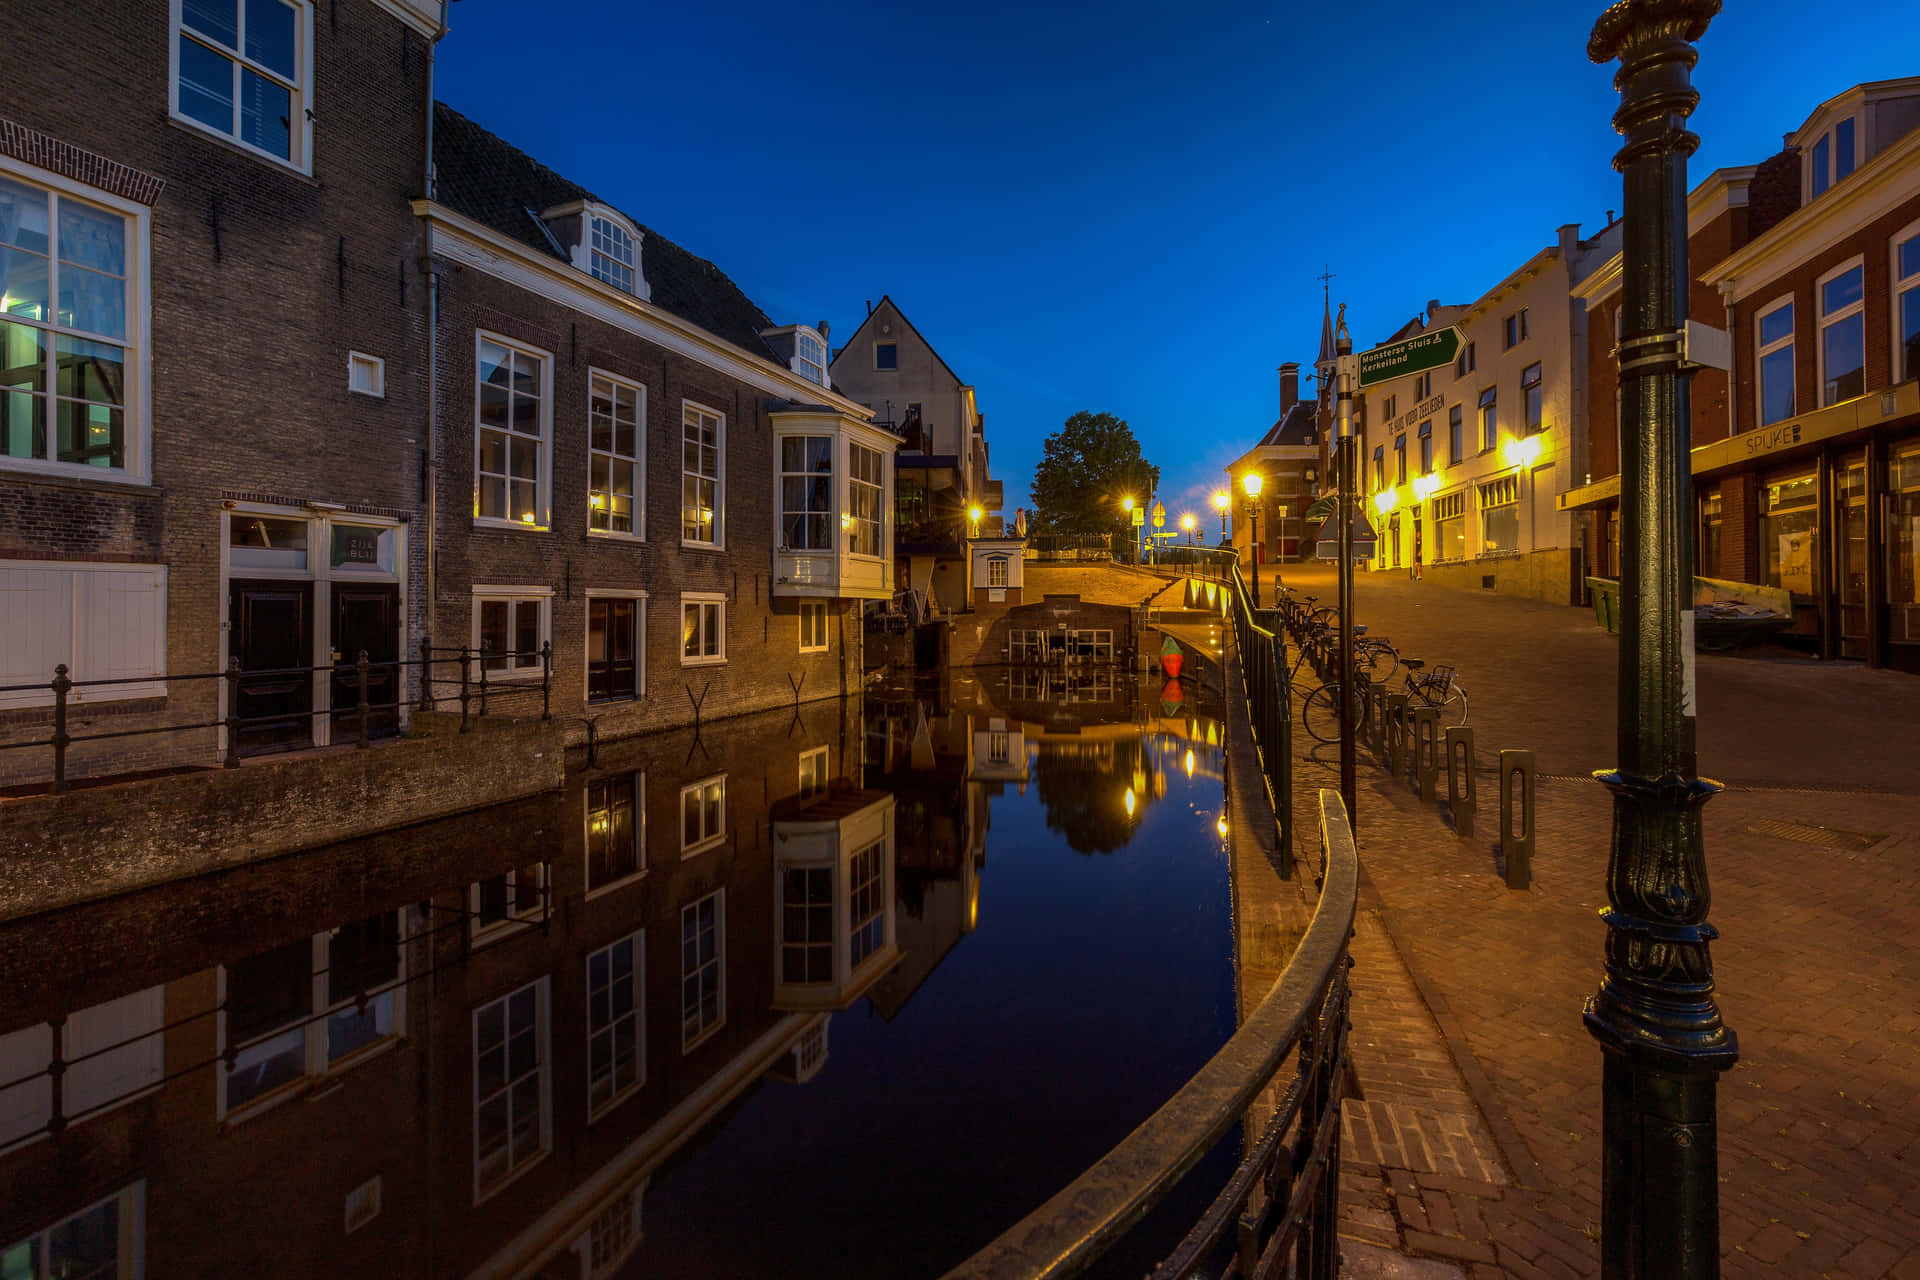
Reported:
(1516, 804)
(1426, 751)
(1462, 793)
(1397, 735)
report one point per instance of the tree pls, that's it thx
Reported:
(1089, 467)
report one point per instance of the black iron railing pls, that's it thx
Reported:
(526, 670)
(1279, 1213)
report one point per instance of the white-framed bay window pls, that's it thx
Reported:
(703, 814)
(866, 499)
(243, 69)
(1906, 302)
(1841, 296)
(703, 628)
(74, 272)
(806, 493)
(106, 1240)
(616, 455)
(310, 1007)
(703, 475)
(511, 625)
(616, 1023)
(513, 431)
(512, 1094)
(1773, 339)
(703, 968)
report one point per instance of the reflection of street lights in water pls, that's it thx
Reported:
(1131, 802)
(1221, 826)
(1189, 763)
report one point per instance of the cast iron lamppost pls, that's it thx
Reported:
(1654, 1014)
(1346, 509)
(1187, 523)
(1126, 504)
(1222, 502)
(1251, 483)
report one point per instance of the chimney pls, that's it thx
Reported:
(822, 329)
(1289, 386)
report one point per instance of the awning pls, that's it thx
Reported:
(1322, 508)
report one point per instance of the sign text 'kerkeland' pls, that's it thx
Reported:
(1417, 354)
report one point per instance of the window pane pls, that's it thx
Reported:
(526, 632)
(270, 33)
(363, 955)
(93, 237)
(1822, 152)
(1841, 291)
(690, 632)
(24, 285)
(1845, 355)
(89, 370)
(1909, 252)
(1910, 333)
(1776, 324)
(1842, 149)
(93, 301)
(269, 990)
(266, 114)
(493, 626)
(206, 85)
(87, 1244)
(91, 434)
(219, 19)
(23, 217)
(713, 629)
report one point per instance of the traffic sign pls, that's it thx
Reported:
(1159, 515)
(1417, 354)
(1139, 517)
(1327, 542)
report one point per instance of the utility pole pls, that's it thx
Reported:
(1346, 366)
(1659, 1029)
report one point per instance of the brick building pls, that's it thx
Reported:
(1289, 459)
(1806, 462)
(213, 331)
(632, 463)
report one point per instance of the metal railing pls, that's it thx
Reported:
(1278, 1215)
(1281, 1205)
(360, 675)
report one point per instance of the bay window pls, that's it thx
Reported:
(806, 493)
(69, 317)
(616, 455)
(1843, 336)
(702, 475)
(866, 486)
(512, 425)
(866, 877)
(1774, 333)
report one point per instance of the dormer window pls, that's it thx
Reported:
(810, 356)
(1832, 157)
(613, 256)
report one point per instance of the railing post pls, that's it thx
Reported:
(426, 673)
(361, 668)
(1517, 843)
(62, 685)
(1462, 795)
(1279, 756)
(483, 682)
(546, 680)
(233, 714)
(466, 684)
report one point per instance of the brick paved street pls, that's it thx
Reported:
(1812, 854)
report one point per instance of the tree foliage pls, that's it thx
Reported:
(1089, 466)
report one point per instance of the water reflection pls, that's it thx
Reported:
(487, 1046)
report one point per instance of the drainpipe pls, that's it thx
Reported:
(429, 605)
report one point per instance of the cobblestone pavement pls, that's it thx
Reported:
(1812, 852)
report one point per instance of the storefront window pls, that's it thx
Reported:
(1500, 515)
(1789, 532)
(1903, 543)
(1707, 545)
(1450, 527)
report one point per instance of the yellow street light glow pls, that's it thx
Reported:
(1126, 503)
(1386, 500)
(1521, 452)
(1220, 499)
(974, 514)
(1189, 764)
(527, 518)
(1131, 802)
(1221, 826)
(1423, 487)
(1186, 522)
(1251, 483)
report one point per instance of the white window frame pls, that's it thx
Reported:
(299, 128)
(996, 571)
(619, 234)
(782, 475)
(130, 1250)
(543, 491)
(1823, 322)
(377, 371)
(543, 1034)
(719, 899)
(114, 1052)
(639, 458)
(811, 611)
(814, 761)
(136, 395)
(707, 839)
(1761, 350)
(804, 367)
(882, 895)
(520, 914)
(879, 518)
(637, 1014)
(1902, 285)
(637, 780)
(313, 1027)
(703, 599)
(719, 540)
(639, 599)
(1817, 184)
(513, 596)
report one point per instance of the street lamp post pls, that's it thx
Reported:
(1251, 483)
(1187, 522)
(1659, 1029)
(1222, 502)
(1133, 541)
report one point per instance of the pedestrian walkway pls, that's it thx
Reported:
(1812, 853)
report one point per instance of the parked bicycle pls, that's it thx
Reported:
(1436, 688)
(1319, 636)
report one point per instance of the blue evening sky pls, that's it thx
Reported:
(1125, 206)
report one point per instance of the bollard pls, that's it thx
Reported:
(1397, 735)
(1517, 844)
(232, 760)
(1462, 794)
(1426, 751)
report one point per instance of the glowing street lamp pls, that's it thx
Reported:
(1251, 482)
(1187, 522)
(1221, 502)
(973, 518)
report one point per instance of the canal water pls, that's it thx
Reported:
(843, 991)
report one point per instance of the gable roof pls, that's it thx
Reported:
(886, 300)
(1295, 427)
(490, 180)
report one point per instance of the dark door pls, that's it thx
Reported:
(271, 632)
(366, 617)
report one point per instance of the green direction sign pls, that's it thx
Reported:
(1417, 354)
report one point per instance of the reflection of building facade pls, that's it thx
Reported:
(1806, 463)
(942, 463)
(477, 1078)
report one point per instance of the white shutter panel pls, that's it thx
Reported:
(128, 1029)
(25, 1108)
(36, 630)
(120, 630)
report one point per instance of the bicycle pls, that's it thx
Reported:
(1376, 655)
(1436, 688)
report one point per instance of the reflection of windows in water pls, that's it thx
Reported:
(1028, 682)
(1090, 686)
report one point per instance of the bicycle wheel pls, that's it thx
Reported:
(1321, 714)
(1454, 710)
(1377, 659)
